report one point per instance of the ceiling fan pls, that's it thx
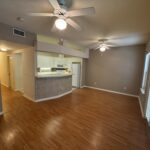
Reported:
(64, 16)
(102, 45)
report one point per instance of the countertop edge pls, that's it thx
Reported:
(52, 76)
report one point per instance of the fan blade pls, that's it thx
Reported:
(81, 12)
(42, 14)
(95, 46)
(110, 45)
(73, 24)
(55, 4)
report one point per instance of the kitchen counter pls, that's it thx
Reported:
(52, 85)
(52, 75)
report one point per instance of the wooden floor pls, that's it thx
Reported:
(84, 120)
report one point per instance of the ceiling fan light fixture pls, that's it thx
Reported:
(103, 49)
(60, 24)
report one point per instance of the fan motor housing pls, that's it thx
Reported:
(61, 2)
(65, 3)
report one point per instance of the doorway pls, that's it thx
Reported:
(76, 74)
(10, 72)
(15, 72)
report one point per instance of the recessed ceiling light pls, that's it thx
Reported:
(61, 24)
(3, 49)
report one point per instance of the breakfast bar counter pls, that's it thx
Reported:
(48, 75)
(51, 86)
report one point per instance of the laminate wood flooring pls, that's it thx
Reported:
(87, 119)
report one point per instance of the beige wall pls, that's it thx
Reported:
(118, 69)
(28, 68)
(0, 99)
(4, 69)
(29, 72)
(18, 72)
(83, 71)
(3, 74)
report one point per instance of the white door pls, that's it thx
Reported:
(15, 72)
(11, 73)
(76, 73)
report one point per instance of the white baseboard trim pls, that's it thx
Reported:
(29, 98)
(131, 95)
(141, 108)
(83, 86)
(53, 97)
(1, 113)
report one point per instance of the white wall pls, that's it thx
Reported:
(4, 69)
(29, 72)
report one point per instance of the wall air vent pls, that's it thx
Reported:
(18, 32)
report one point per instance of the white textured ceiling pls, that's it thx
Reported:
(122, 22)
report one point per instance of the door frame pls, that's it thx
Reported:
(13, 85)
(8, 69)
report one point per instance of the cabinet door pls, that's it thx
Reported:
(43, 61)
